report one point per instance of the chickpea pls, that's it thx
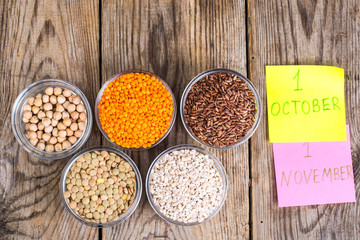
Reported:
(27, 114)
(27, 107)
(54, 122)
(39, 134)
(66, 104)
(57, 91)
(40, 126)
(48, 106)
(38, 102)
(32, 134)
(65, 114)
(61, 126)
(35, 109)
(34, 119)
(41, 115)
(69, 132)
(58, 147)
(49, 91)
(55, 132)
(51, 121)
(62, 134)
(71, 108)
(34, 141)
(76, 100)
(75, 115)
(72, 139)
(74, 126)
(82, 126)
(49, 148)
(53, 99)
(83, 117)
(57, 115)
(49, 114)
(67, 121)
(67, 93)
(41, 146)
(61, 99)
(46, 137)
(48, 129)
(66, 145)
(45, 99)
(46, 122)
(33, 127)
(59, 108)
(31, 101)
(53, 140)
(80, 108)
(78, 133)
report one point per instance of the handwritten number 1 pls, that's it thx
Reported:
(297, 81)
(307, 150)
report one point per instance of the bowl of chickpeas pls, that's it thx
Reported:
(101, 186)
(51, 119)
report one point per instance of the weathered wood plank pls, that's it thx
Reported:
(42, 39)
(177, 40)
(303, 32)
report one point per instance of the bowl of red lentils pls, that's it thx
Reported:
(101, 186)
(51, 119)
(135, 109)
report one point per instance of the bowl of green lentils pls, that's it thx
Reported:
(101, 186)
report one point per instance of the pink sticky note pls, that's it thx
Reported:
(314, 173)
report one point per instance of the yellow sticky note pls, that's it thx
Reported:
(305, 103)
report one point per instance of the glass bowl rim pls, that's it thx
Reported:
(250, 85)
(218, 166)
(138, 190)
(98, 99)
(20, 137)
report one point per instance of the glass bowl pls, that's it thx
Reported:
(250, 85)
(138, 189)
(98, 98)
(18, 126)
(218, 166)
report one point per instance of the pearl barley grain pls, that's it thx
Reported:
(193, 189)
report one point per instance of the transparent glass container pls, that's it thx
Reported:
(18, 126)
(98, 98)
(138, 188)
(250, 85)
(218, 166)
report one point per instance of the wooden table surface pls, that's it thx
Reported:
(87, 41)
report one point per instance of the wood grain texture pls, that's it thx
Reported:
(303, 32)
(42, 39)
(177, 40)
